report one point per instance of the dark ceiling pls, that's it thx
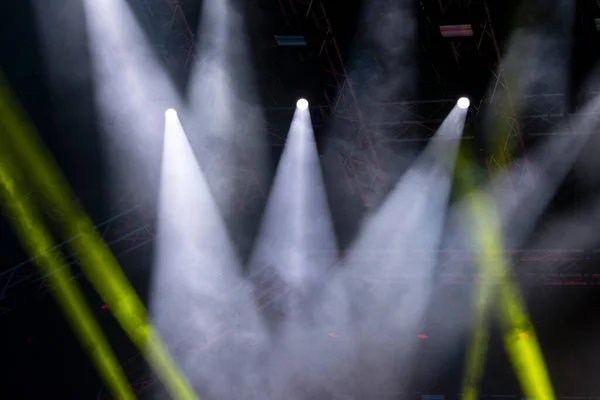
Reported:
(41, 357)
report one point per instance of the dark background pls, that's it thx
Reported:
(40, 356)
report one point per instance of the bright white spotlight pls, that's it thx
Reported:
(463, 103)
(170, 113)
(302, 104)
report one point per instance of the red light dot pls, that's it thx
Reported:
(422, 337)
(104, 306)
(332, 334)
(29, 340)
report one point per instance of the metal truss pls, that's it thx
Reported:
(277, 121)
(414, 121)
(342, 103)
(245, 186)
(398, 123)
(513, 130)
(547, 115)
(499, 102)
(123, 233)
(132, 229)
(408, 121)
(548, 267)
(267, 289)
(541, 115)
(556, 268)
(418, 120)
(179, 27)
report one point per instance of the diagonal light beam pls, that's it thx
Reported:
(29, 226)
(98, 264)
(200, 302)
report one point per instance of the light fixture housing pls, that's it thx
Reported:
(290, 40)
(452, 31)
(463, 103)
(302, 104)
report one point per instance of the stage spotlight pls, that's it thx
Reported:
(302, 104)
(170, 113)
(463, 103)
